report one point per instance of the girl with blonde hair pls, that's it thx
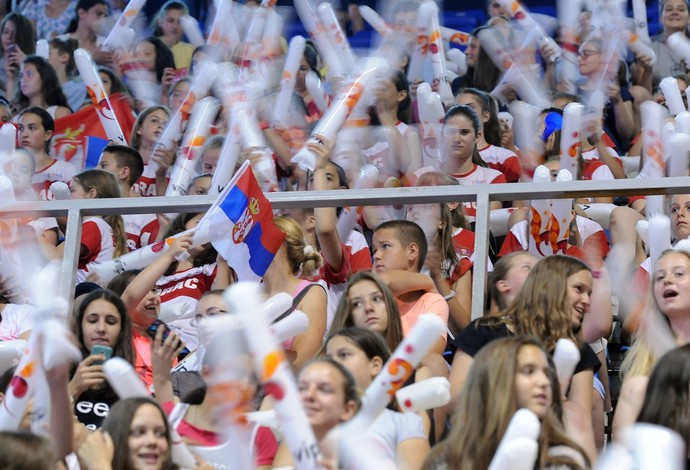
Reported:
(294, 263)
(667, 314)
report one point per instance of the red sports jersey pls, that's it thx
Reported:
(503, 160)
(478, 175)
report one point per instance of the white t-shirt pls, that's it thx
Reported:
(57, 171)
(16, 320)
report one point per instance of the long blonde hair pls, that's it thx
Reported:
(303, 258)
(641, 358)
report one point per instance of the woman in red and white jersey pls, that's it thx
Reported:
(461, 128)
(146, 131)
(489, 137)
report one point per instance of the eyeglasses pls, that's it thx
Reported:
(585, 53)
(211, 312)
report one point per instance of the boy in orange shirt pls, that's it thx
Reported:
(400, 249)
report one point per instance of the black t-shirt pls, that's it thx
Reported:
(93, 406)
(479, 333)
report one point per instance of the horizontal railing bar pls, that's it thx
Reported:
(364, 197)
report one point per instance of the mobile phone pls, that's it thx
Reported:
(153, 329)
(100, 349)
(179, 74)
(11, 49)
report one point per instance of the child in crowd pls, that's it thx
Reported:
(145, 134)
(126, 165)
(36, 127)
(400, 249)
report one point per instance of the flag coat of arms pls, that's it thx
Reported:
(80, 138)
(241, 227)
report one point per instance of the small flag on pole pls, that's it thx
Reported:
(241, 226)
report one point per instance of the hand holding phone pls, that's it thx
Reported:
(153, 330)
(101, 350)
(12, 55)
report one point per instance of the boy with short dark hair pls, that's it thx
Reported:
(400, 249)
(126, 165)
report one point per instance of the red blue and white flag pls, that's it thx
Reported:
(80, 137)
(241, 226)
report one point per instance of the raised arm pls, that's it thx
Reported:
(325, 217)
(146, 279)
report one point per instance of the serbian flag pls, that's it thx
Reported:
(80, 138)
(241, 228)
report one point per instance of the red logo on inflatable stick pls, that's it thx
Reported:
(274, 390)
(19, 386)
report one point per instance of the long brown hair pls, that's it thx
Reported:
(106, 187)
(118, 424)
(541, 308)
(493, 375)
(343, 315)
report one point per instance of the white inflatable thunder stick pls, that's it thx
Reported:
(203, 115)
(565, 358)
(396, 371)
(520, 14)
(654, 446)
(652, 148)
(275, 374)
(415, 71)
(674, 101)
(659, 232)
(678, 163)
(640, 17)
(316, 90)
(680, 45)
(287, 82)
(227, 160)
(437, 54)
(274, 306)
(424, 395)
(21, 388)
(570, 138)
(223, 33)
(94, 87)
(332, 121)
(204, 76)
(561, 216)
(640, 48)
(231, 388)
(431, 114)
(127, 384)
(453, 36)
(540, 218)
(42, 48)
(122, 35)
(312, 23)
(375, 20)
(290, 326)
(337, 38)
(524, 429)
(139, 259)
(568, 68)
(368, 178)
(190, 27)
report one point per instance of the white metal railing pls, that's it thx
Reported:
(481, 194)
